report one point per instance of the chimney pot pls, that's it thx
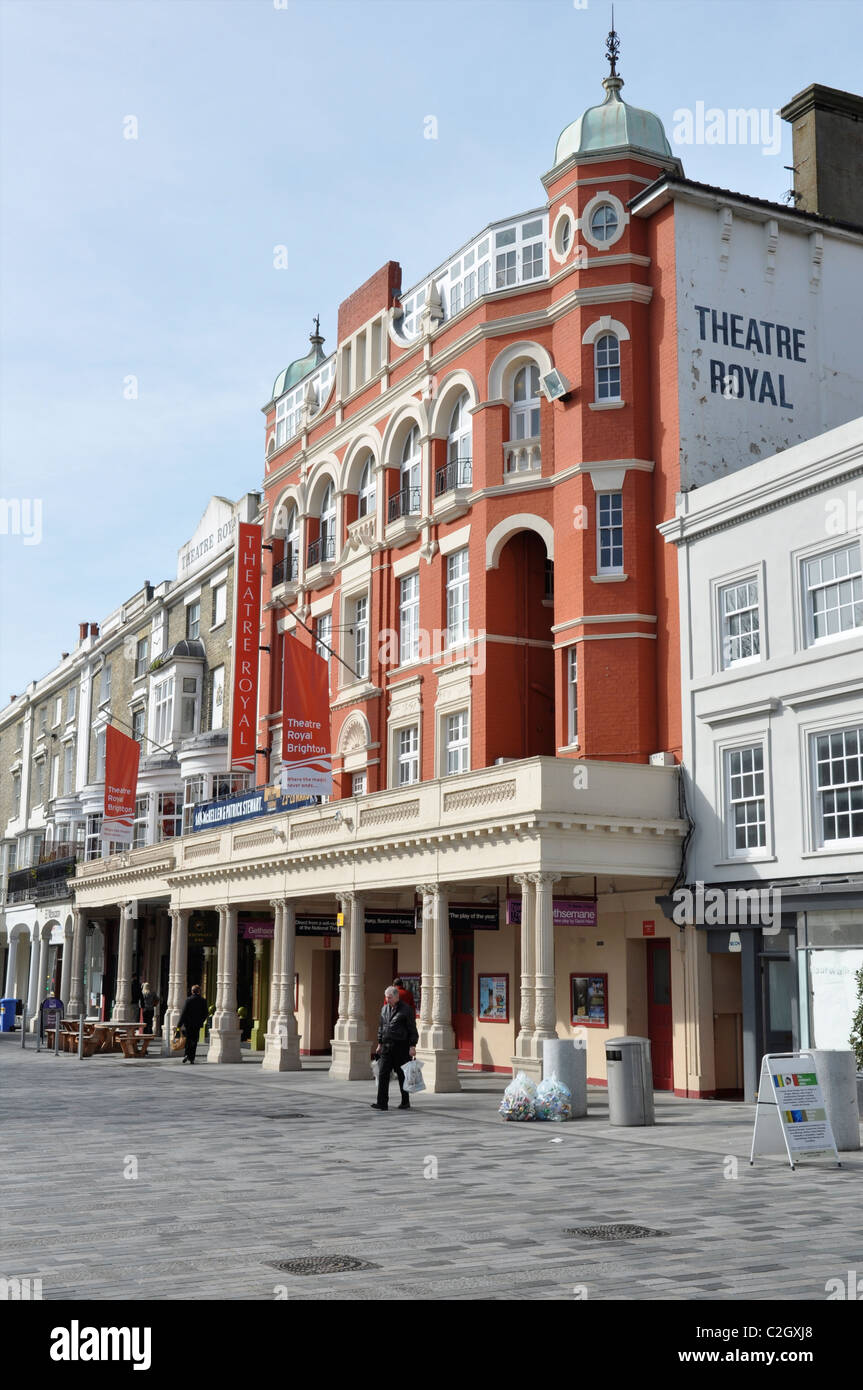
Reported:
(82, 631)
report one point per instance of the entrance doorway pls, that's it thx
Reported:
(462, 993)
(659, 1023)
(727, 982)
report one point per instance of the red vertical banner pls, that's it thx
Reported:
(247, 637)
(121, 785)
(307, 760)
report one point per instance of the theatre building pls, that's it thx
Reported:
(460, 511)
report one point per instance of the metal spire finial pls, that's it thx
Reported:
(612, 47)
(317, 323)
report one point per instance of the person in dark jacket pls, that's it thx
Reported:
(149, 1003)
(397, 1040)
(406, 995)
(191, 1021)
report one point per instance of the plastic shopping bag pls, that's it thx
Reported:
(376, 1066)
(553, 1100)
(413, 1072)
(519, 1099)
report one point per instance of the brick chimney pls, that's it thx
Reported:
(82, 631)
(377, 293)
(827, 140)
(94, 629)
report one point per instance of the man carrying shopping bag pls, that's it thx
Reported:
(397, 1040)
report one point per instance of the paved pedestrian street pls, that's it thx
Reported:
(153, 1180)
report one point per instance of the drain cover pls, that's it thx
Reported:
(324, 1264)
(619, 1231)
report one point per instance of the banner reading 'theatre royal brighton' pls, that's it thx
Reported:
(121, 786)
(247, 629)
(307, 762)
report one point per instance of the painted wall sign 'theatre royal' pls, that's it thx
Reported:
(247, 627)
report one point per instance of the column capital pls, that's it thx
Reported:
(429, 889)
(127, 908)
(523, 880)
(349, 899)
(545, 880)
(225, 907)
(278, 904)
(178, 913)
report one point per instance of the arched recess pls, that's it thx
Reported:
(453, 385)
(399, 426)
(504, 530)
(354, 735)
(291, 496)
(507, 363)
(369, 442)
(325, 471)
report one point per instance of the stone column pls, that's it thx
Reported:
(225, 1032)
(33, 980)
(545, 1011)
(124, 1010)
(438, 1052)
(177, 966)
(282, 1040)
(210, 954)
(344, 951)
(427, 893)
(66, 967)
(528, 968)
(12, 968)
(352, 1051)
(76, 1003)
(259, 1007)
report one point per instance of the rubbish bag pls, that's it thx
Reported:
(553, 1100)
(413, 1072)
(519, 1099)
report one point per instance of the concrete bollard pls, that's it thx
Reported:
(837, 1076)
(566, 1058)
(24, 1025)
(80, 1036)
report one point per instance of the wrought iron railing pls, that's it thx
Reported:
(286, 571)
(458, 473)
(403, 503)
(322, 549)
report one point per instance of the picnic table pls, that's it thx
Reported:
(69, 1036)
(111, 1035)
(136, 1045)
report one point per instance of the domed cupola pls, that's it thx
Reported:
(303, 365)
(614, 126)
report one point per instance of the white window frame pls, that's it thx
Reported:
(739, 748)
(604, 387)
(324, 633)
(142, 657)
(190, 699)
(849, 544)
(457, 598)
(572, 695)
(727, 639)
(609, 524)
(220, 604)
(328, 521)
(292, 545)
(460, 440)
(360, 624)
(71, 703)
(165, 815)
(100, 754)
(16, 795)
(525, 413)
(105, 684)
(69, 768)
(217, 698)
(407, 754)
(819, 842)
(141, 821)
(409, 636)
(456, 742)
(367, 493)
(193, 619)
(163, 711)
(410, 469)
(359, 784)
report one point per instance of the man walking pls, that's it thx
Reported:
(397, 1040)
(191, 1020)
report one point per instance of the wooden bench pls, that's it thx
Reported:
(69, 1037)
(136, 1045)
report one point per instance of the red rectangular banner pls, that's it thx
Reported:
(307, 761)
(121, 785)
(247, 637)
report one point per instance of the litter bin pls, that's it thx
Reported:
(630, 1081)
(8, 1008)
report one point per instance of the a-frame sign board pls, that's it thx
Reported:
(790, 1111)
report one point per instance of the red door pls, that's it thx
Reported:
(462, 993)
(659, 1025)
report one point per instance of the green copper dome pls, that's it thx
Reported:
(613, 125)
(301, 368)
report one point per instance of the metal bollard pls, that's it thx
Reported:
(56, 1035)
(23, 1025)
(80, 1036)
(39, 1032)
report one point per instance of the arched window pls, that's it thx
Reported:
(328, 523)
(525, 403)
(292, 545)
(368, 491)
(410, 472)
(459, 442)
(607, 367)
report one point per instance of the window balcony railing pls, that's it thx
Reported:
(522, 456)
(404, 503)
(459, 473)
(320, 550)
(286, 571)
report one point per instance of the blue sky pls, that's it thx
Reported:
(261, 126)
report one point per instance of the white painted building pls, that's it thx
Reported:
(771, 578)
